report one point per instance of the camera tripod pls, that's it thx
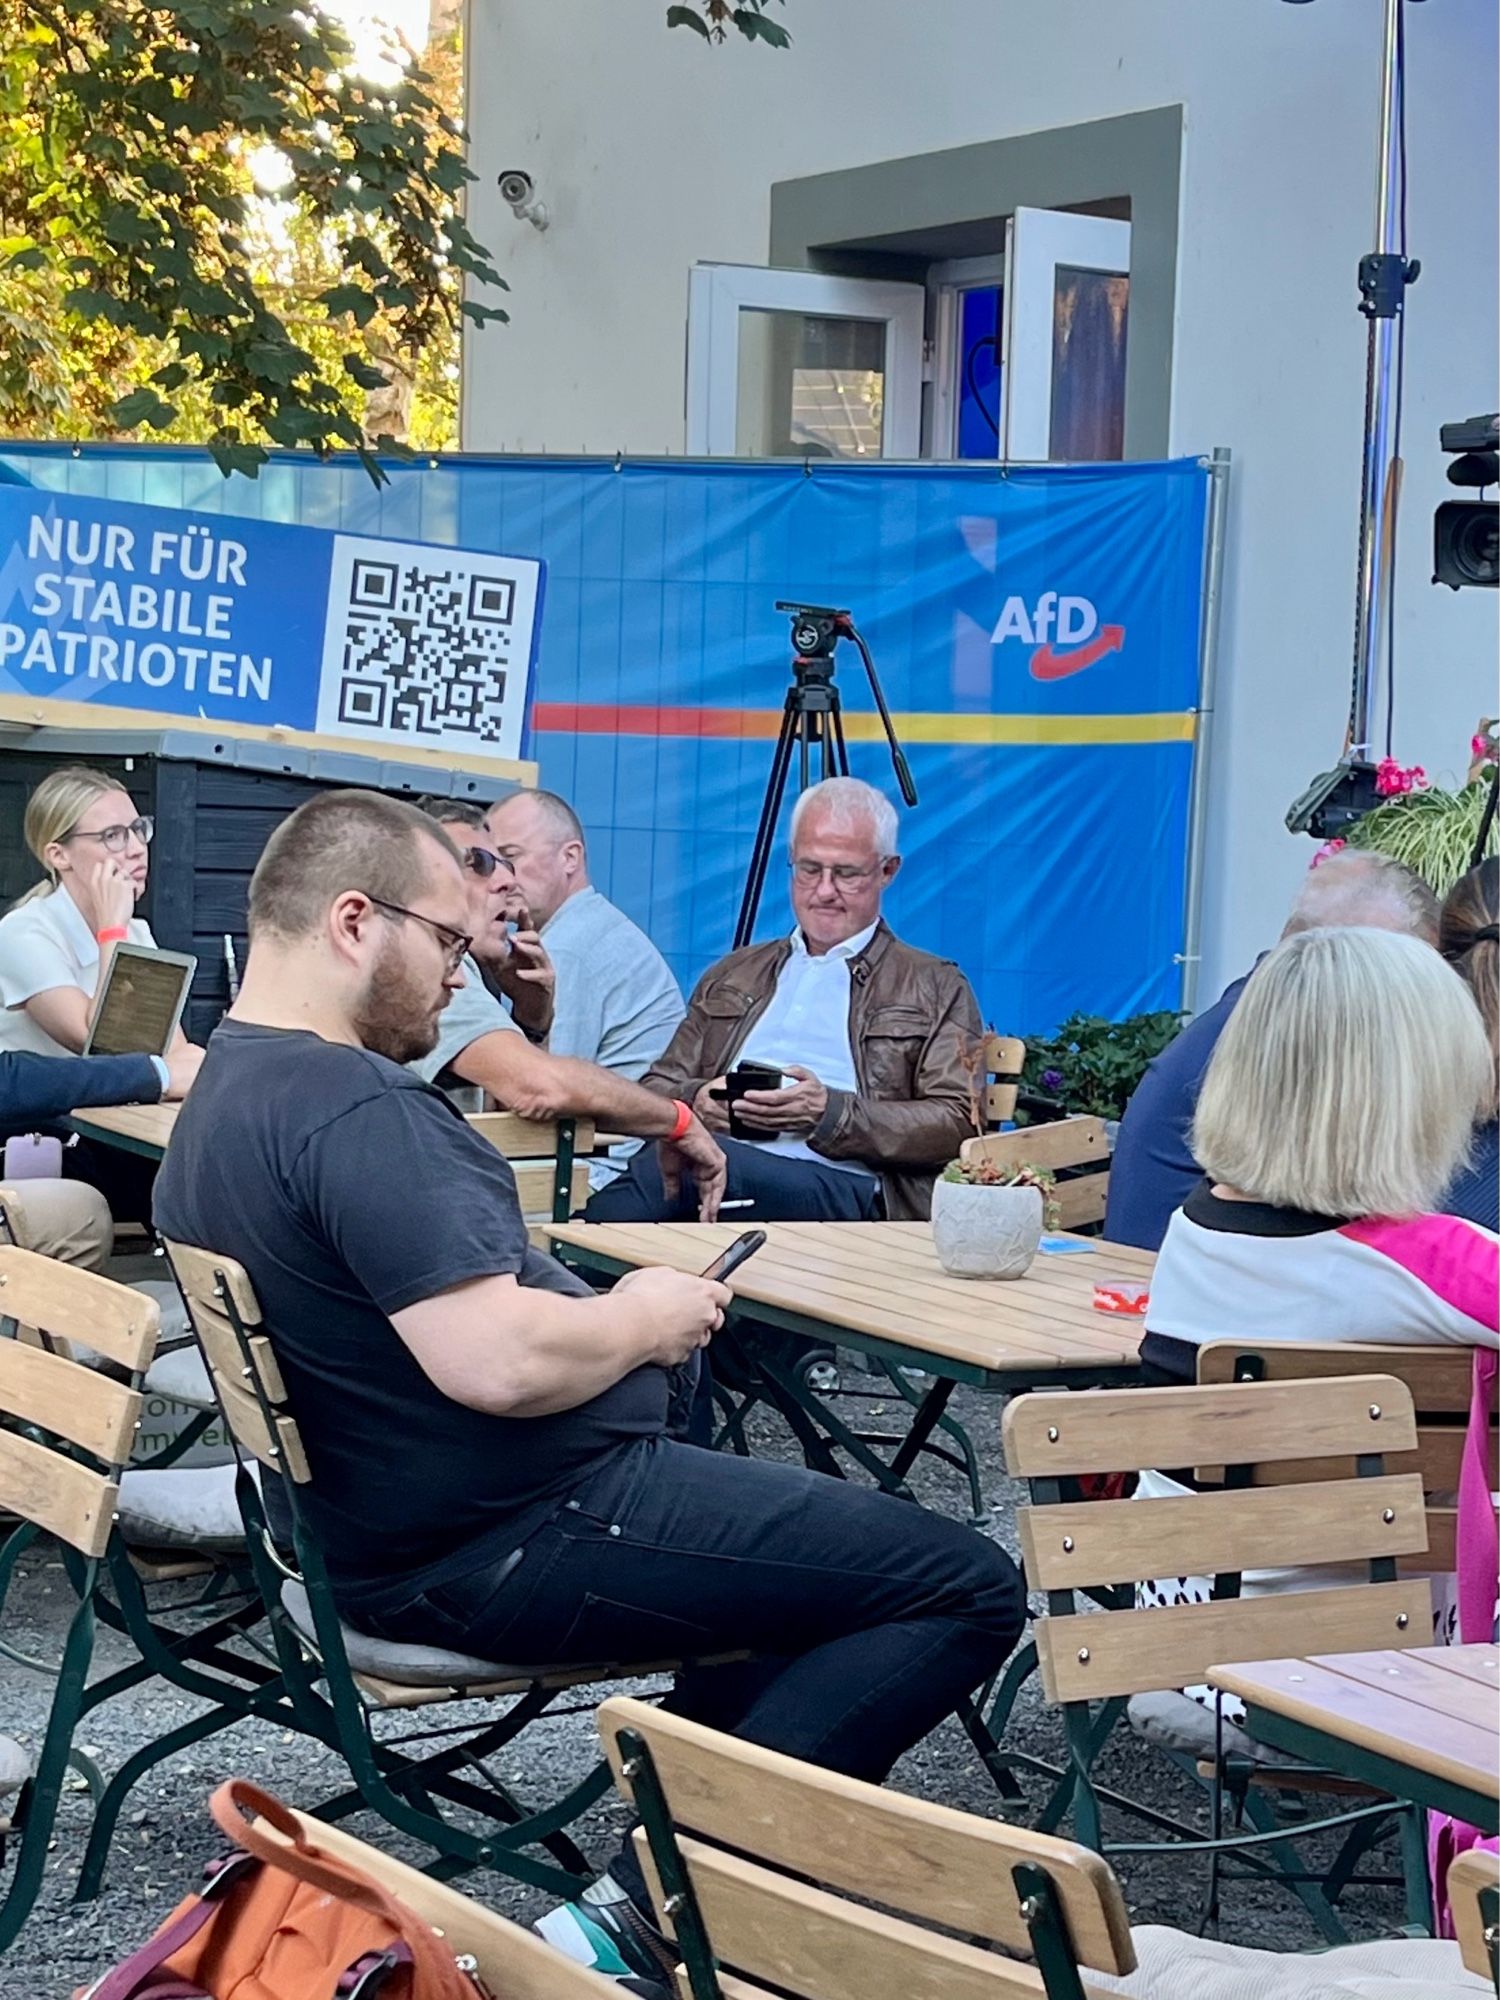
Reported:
(812, 724)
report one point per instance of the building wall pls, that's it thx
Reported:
(653, 152)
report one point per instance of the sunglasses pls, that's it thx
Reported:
(482, 862)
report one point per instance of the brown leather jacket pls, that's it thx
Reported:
(909, 1016)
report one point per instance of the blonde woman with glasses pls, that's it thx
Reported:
(85, 832)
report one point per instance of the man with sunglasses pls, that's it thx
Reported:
(477, 1045)
(513, 963)
(869, 1037)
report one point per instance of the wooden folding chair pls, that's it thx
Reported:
(780, 1881)
(1474, 1894)
(1075, 1149)
(1003, 1059)
(67, 1438)
(755, 1862)
(1352, 1511)
(1439, 1379)
(547, 1157)
(339, 1679)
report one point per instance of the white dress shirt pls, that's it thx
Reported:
(807, 1023)
(46, 943)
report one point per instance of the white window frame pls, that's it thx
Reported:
(717, 293)
(1038, 240)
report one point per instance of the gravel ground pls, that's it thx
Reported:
(166, 1834)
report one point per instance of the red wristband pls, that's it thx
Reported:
(684, 1119)
(115, 934)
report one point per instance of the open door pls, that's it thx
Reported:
(1067, 299)
(792, 364)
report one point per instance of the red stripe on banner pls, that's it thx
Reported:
(626, 719)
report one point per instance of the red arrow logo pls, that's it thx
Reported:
(1047, 665)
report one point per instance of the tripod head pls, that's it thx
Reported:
(816, 631)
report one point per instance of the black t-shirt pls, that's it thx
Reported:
(350, 1189)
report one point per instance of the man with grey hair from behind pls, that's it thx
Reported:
(1153, 1170)
(862, 1095)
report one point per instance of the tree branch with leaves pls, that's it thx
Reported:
(136, 284)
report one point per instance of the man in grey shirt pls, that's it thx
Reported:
(617, 1003)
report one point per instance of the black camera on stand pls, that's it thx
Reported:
(1466, 533)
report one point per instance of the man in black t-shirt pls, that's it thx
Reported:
(490, 1469)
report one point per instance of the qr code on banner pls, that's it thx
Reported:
(427, 644)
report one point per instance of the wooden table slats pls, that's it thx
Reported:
(882, 1280)
(1433, 1711)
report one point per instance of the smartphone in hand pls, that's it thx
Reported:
(724, 1266)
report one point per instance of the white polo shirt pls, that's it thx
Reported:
(807, 1023)
(46, 943)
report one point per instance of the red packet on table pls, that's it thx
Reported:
(1121, 1295)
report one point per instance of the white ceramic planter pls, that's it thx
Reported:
(985, 1232)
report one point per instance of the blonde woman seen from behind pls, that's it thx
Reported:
(56, 942)
(1338, 1106)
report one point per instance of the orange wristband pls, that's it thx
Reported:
(116, 934)
(684, 1119)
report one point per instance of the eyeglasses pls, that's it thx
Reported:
(483, 862)
(843, 872)
(117, 838)
(456, 944)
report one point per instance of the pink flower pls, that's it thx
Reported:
(1393, 780)
(1329, 847)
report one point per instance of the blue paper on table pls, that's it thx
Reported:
(1066, 1246)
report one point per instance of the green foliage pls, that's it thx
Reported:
(1433, 832)
(146, 279)
(712, 19)
(1091, 1066)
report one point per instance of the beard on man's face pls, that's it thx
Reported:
(397, 1015)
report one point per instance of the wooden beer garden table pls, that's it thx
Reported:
(877, 1288)
(132, 1128)
(1422, 1725)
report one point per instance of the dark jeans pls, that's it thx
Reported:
(778, 1189)
(875, 1616)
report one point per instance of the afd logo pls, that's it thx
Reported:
(1065, 631)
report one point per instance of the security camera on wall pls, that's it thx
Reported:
(518, 192)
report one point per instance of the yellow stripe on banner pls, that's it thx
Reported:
(1178, 726)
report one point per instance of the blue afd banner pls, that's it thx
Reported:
(1036, 631)
(380, 640)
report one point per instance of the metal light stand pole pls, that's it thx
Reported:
(1383, 278)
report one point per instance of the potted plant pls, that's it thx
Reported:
(1091, 1066)
(1434, 831)
(987, 1219)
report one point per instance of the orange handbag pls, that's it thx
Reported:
(283, 1920)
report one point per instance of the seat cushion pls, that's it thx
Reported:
(182, 1507)
(15, 1767)
(1170, 1964)
(390, 1660)
(1174, 1721)
(174, 1319)
(182, 1376)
